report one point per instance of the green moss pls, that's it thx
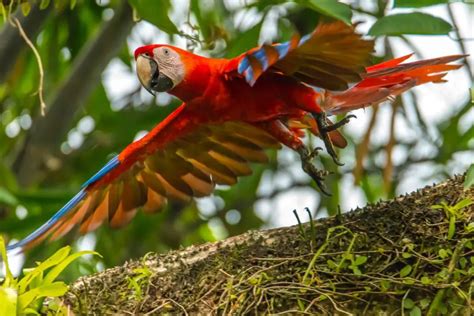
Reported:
(387, 256)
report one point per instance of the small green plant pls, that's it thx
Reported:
(136, 282)
(453, 213)
(25, 295)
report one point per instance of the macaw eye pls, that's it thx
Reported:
(166, 51)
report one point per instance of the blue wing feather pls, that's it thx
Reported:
(262, 58)
(53, 220)
(245, 68)
(69, 206)
(114, 162)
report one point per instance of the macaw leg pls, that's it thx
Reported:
(325, 126)
(281, 132)
(316, 174)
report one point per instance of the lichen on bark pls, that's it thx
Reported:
(391, 256)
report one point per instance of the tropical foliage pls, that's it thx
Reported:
(82, 67)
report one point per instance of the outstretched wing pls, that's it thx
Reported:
(179, 159)
(331, 57)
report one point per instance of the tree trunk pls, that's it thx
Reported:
(398, 256)
(47, 132)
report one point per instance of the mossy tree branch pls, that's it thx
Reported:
(395, 256)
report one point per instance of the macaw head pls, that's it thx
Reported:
(160, 68)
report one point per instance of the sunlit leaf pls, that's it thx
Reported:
(8, 274)
(55, 259)
(332, 8)
(53, 274)
(462, 204)
(8, 301)
(52, 290)
(410, 23)
(416, 3)
(155, 12)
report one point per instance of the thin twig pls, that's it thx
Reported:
(388, 169)
(363, 148)
(39, 62)
(460, 41)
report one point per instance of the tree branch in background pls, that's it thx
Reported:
(12, 44)
(375, 259)
(47, 132)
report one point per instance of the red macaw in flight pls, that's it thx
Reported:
(232, 110)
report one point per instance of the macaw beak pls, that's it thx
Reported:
(150, 77)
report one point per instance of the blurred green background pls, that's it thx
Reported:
(95, 107)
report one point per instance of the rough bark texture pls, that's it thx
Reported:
(396, 256)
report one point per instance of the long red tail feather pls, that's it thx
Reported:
(387, 80)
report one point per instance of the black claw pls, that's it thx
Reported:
(329, 128)
(316, 174)
(325, 129)
(315, 152)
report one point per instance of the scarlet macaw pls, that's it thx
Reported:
(232, 110)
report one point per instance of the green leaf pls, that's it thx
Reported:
(53, 274)
(424, 303)
(443, 253)
(469, 228)
(55, 259)
(405, 271)
(452, 227)
(416, 311)
(469, 180)
(44, 4)
(8, 274)
(416, 3)
(8, 301)
(52, 290)
(360, 260)
(332, 8)
(462, 204)
(7, 198)
(425, 280)
(30, 311)
(155, 12)
(406, 255)
(25, 8)
(331, 264)
(410, 23)
(408, 303)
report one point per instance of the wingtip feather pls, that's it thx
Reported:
(50, 223)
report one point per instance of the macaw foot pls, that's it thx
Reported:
(325, 128)
(316, 174)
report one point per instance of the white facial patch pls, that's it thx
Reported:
(170, 64)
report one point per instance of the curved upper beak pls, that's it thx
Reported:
(147, 69)
(150, 76)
